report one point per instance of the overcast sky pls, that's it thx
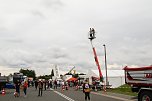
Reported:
(36, 34)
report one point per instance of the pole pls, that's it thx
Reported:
(106, 64)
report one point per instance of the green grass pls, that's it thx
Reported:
(124, 89)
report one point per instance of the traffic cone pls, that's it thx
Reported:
(76, 87)
(3, 92)
(63, 87)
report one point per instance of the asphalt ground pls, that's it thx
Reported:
(32, 95)
(67, 95)
(116, 96)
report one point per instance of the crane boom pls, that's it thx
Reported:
(71, 70)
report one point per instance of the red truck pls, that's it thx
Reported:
(140, 80)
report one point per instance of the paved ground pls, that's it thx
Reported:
(68, 95)
(32, 95)
(116, 96)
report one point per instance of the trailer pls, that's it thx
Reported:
(140, 80)
(18, 77)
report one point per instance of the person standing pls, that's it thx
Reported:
(86, 90)
(50, 83)
(55, 84)
(58, 83)
(29, 83)
(45, 85)
(17, 87)
(25, 85)
(36, 84)
(40, 86)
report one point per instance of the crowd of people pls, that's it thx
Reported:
(41, 85)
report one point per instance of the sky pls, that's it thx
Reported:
(39, 34)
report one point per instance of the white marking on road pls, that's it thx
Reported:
(114, 97)
(64, 96)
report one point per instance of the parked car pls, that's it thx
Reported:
(10, 86)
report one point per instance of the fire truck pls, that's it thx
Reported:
(140, 80)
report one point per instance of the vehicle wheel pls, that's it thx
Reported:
(145, 96)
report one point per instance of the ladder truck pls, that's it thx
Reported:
(140, 80)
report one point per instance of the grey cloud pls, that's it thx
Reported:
(2, 29)
(11, 57)
(131, 55)
(38, 13)
(15, 57)
(34, 34)
(14, 41)
(59, 54)
(56, 52)
(50, 3)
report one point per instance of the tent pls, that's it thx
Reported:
(116, 78)
(72, 79)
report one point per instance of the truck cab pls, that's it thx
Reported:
(140, 80)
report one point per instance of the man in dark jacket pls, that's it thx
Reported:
(40, 86)
(17, 87)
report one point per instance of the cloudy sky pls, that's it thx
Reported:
(38, 34)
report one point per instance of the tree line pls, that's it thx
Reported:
(31, 73)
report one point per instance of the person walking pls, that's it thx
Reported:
(50, 83)
(36, 84)
(86, 90)
(29, 83)
(55, 84)
(40, 86)
(45, 85)
(17, 87)
(25, 85)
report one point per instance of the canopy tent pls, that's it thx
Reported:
(110, 73)
(116, 78)
(72, 79)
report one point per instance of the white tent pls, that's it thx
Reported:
(116, 78)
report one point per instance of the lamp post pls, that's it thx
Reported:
(106, 64)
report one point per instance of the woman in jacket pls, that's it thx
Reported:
(86, 90)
